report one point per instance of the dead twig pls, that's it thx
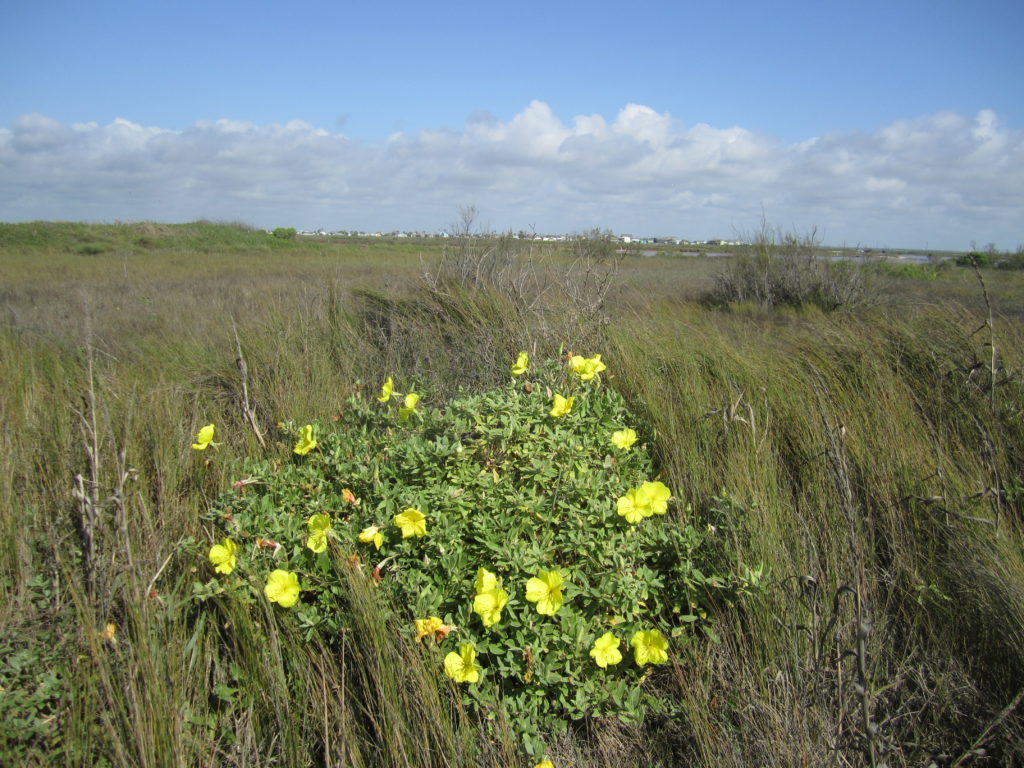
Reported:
(243, 372)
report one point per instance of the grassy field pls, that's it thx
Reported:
(870, 459)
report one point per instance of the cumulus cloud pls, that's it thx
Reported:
(942, 179)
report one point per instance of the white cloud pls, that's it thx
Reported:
(643, 124)
(943, 179)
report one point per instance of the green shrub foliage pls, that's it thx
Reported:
(505, 492)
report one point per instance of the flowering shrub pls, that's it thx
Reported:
(530, 550)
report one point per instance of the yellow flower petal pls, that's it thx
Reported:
(410, 407)
(485, 581)
(282, 588)
(658, 495)
(606, 650)
(386, 390)
(631, 508)
(585, 368)
(306, 441)
(487, 605)
(223, 556)
(319, 525)
(372, 535)
(624, 439)
(649, 499)
(462, 667)
(426, 627)
(560, 406)
(649, 647)
(412, 522)
(519, 367)
(204, 438)
(545, 589)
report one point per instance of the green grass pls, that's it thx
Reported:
(871, 449)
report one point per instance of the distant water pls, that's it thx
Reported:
(899, 258)
(911, 258)
(685, 253)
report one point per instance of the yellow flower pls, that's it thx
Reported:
(545, 589)
(561, 405)
(519, 368)
(306, 442)
(410, 407)
(204, 438)
(632, 507)
(319, 525)
(544, 764)
(624, 439)
(487, 605)
(223, 556)
(426, 627)
(489, 599)
(412, 522)
(432, 626)
(606, 650)
(282, 588)
(586, 368)
(649, 647)
(658, 495)
(649, 499)
(462, 667)
(386, 390)
(371, 534)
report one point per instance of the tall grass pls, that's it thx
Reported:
(857, 455)
(864, 458)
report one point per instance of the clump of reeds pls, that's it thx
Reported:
(787, 270)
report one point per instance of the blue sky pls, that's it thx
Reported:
(897, 123)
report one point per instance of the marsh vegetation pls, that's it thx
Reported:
(855, 470)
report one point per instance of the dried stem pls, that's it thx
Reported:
(87, 490)
(991, 331)
(243, 371)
